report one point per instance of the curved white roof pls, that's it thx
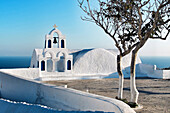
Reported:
(35, 55)
(94, 61)
(38, 51)
(98, 61)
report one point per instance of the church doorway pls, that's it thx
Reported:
(61, 64)
(49, 65)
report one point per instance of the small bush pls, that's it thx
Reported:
(131, 104)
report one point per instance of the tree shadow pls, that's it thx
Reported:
(149, 92)
(155, 87)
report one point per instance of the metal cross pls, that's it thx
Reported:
(55, 26)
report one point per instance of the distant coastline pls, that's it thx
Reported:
(24, 61)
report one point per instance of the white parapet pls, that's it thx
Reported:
(29, 73)
(20, 89)
(166, 74)
(146, 69)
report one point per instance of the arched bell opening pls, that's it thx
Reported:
(55, 40)
(49, 43)
(68, 65)
(62, 44)
(42, 65)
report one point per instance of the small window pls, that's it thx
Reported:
(68, 65)
(42, 65)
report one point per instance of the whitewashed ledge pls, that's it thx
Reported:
(25, 90)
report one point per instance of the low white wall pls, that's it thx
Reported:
(29, 73)
(146, 69)
(156, 74)
(152, 72)
(20, 89)
(166, 74)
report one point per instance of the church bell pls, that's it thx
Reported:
(55, 40)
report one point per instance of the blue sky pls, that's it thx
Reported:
(24, 24)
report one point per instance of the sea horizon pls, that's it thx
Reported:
(24, 61)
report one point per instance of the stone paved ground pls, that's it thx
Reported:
(154, 93)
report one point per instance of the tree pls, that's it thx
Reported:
(130, 23)
(110, 17)
(150, 20)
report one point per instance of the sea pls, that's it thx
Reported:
(159, 61)
(7, 62)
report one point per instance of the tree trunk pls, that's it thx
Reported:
(121, 77)
(134, 91)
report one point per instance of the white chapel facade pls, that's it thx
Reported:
(54, 57)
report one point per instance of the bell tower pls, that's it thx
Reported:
(55, 58)
(55, 39)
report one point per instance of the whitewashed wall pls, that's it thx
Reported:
(146, 69)
(29, 73)
(20, 89)
(166, 74)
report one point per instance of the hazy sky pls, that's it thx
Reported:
(24, 24)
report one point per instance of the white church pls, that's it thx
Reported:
(55, 61)
(55, 56)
